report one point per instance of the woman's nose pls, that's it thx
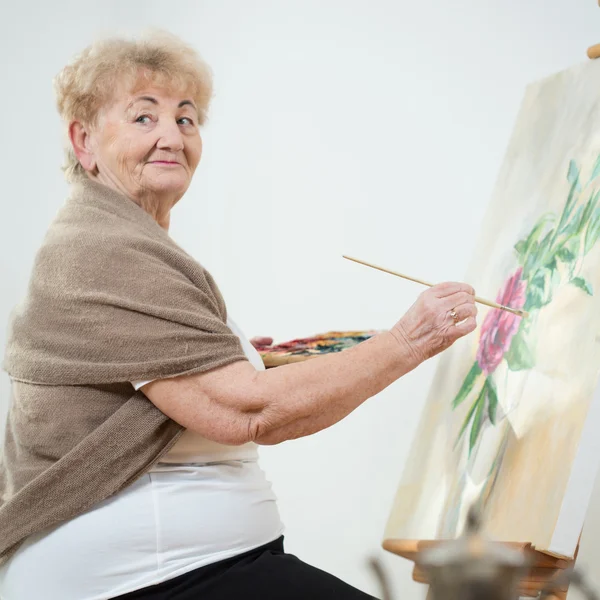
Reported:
(170, 137)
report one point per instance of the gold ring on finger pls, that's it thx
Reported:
(454, 316)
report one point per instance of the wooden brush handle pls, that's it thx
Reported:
(514, 311)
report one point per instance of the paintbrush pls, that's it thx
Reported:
(514, 311)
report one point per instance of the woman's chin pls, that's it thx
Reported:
(168, 184)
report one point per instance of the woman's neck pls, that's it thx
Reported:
(157, 206)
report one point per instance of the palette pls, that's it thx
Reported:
(302, 349)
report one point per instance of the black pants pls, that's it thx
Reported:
(267, 573)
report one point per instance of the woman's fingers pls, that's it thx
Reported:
(462, 319)
(443, 290)
(457, 299)
(261, 341)
(463, 311)
(440, 316)
(465, 327)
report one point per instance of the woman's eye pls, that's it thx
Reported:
(143, 119)
(185, 121)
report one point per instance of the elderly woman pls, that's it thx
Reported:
(130, 460)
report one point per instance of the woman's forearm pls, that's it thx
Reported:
(235, 403)
(303, 398)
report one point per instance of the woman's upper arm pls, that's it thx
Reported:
(219, 404)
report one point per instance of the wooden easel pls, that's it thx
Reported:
(545, 568)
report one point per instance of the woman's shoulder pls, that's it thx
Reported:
(92, 248)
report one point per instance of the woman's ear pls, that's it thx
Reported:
(80, 140)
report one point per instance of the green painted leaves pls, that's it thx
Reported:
(573, 174)
(595, 170)
(467, 385)
(521, 356)
(565, 254)
(492, 400)
(592, 232)
(539, 236)
(553, 252)
(583, 284)
(477, 423)
(484, 406)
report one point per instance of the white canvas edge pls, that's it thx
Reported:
(581, 484)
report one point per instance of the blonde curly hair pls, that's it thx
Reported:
(87, 84)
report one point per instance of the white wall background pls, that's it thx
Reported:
(368, 127)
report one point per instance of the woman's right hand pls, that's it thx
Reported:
(441, 315)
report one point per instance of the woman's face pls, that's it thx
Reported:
(148, 144)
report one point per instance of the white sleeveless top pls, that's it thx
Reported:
(203, 502)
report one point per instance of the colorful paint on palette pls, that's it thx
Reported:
(305, 348)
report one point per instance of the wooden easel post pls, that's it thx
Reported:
(594, 51)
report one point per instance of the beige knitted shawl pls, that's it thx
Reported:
(112, 299)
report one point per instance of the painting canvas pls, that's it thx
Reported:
(507, 420)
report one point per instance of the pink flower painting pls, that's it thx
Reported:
(500, 326)
(551, 254)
